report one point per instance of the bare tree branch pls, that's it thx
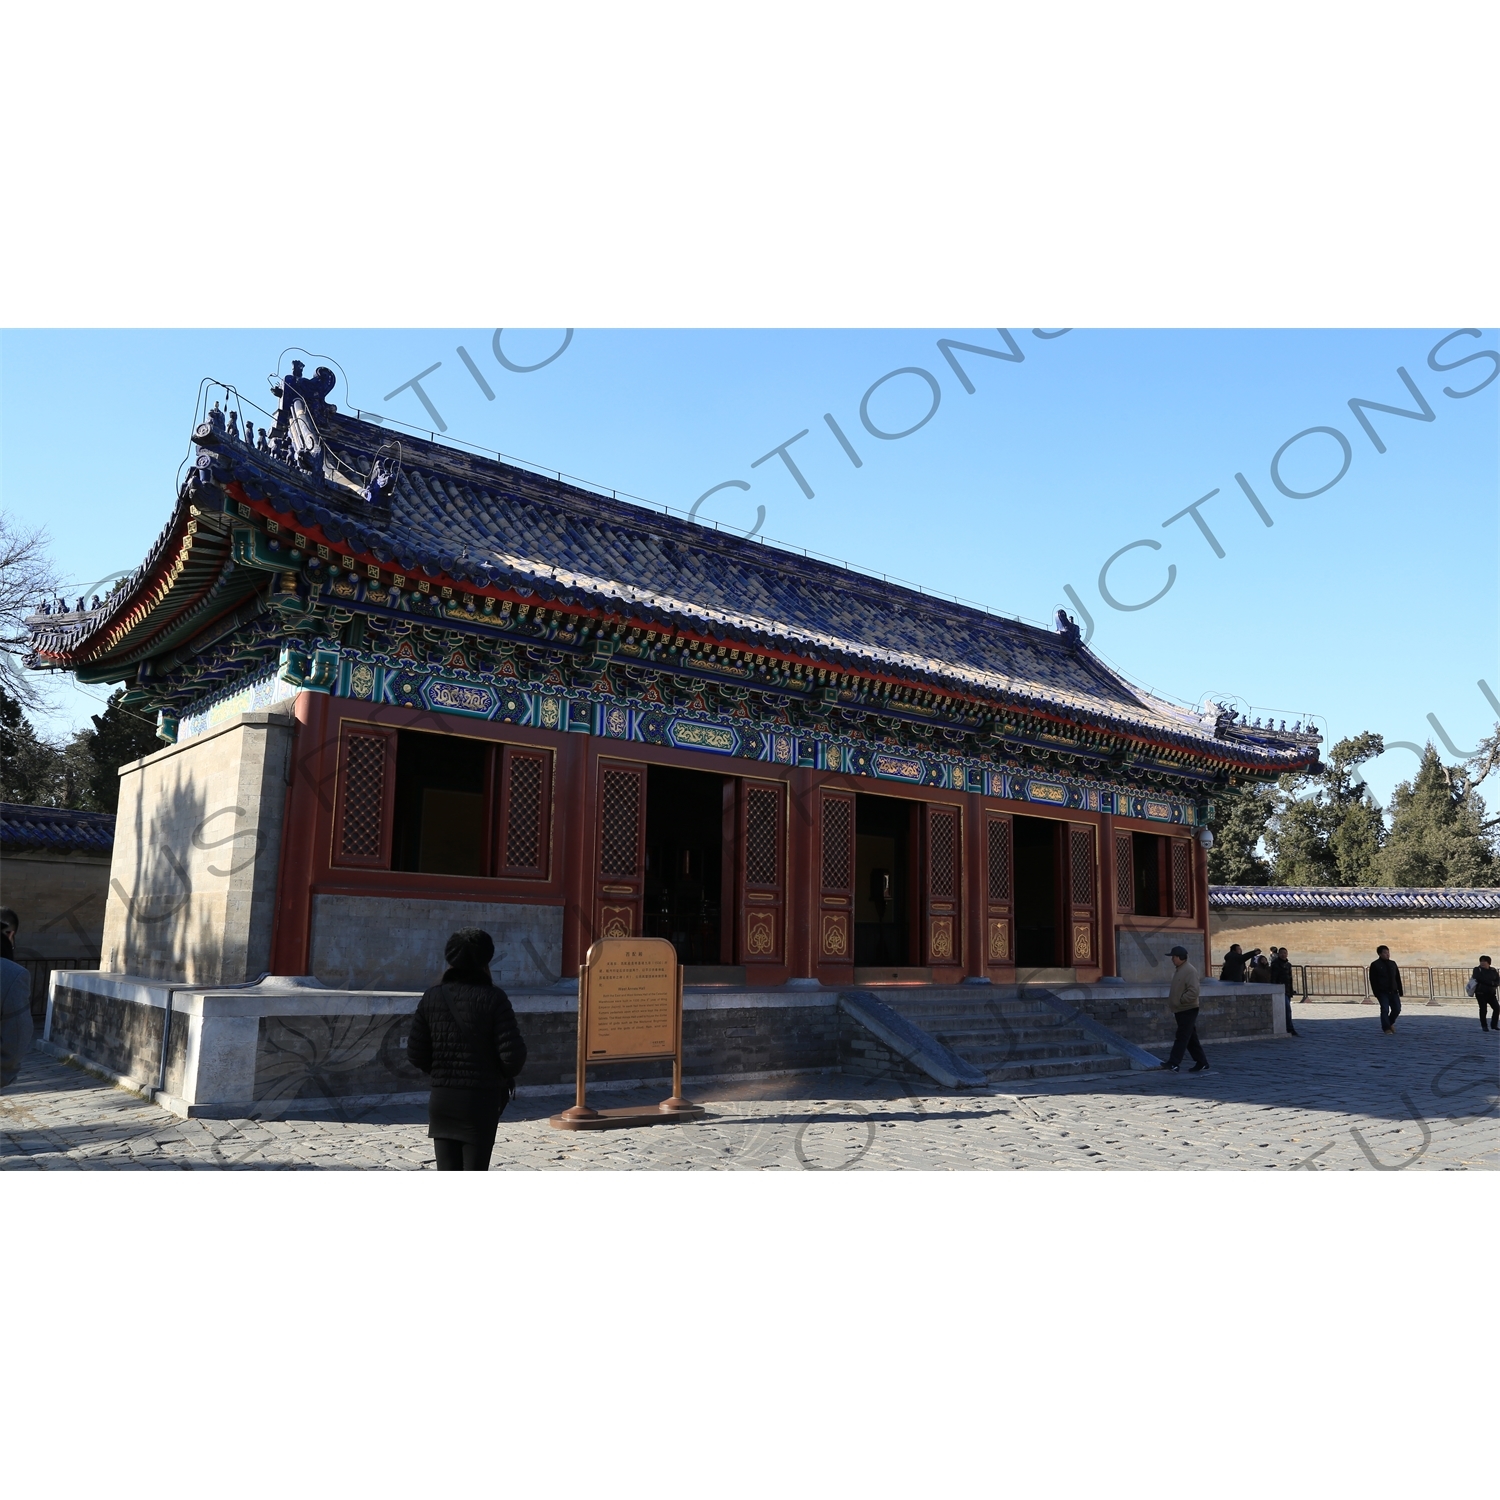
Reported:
(26, 577)
(1485, 759)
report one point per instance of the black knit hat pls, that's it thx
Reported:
(470, 949)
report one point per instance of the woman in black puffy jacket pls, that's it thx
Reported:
(464, 1034)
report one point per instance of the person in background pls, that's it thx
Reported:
(10, 925)
(16, 1031)
(1281, 973)
(1183, 997)
(1486, 980)
(1233, 971)
(1385, 985)
(465, 1035)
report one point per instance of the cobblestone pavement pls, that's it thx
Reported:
(1341, 1096)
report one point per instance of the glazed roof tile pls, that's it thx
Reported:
(60, 830)
(1351, 898)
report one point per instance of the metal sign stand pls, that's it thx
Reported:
(601, 992)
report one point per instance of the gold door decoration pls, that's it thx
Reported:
(760, 933)
(616, 921)
(999, 949)
(1083, 943)
(835, 934)
(940, 939)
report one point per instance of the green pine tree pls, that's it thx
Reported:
(119, 736)
(1438, 835)
(31, 770)
(1238, 822)
(1327, 828)
(84, 772)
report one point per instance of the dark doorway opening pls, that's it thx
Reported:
(883, 881)
(1145, 850)
(440, 804)
(1035, 844)
(685, 813)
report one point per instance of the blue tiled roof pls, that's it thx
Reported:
(58, 829)
(482, 523)
(1316, 898)
(488, 523)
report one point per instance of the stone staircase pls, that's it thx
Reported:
(1005, 1034)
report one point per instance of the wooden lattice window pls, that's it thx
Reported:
(999, 836)
(943, 853)
(526, 809)
(838, 843)
(1182, 878)
(366, 795)
(1124, 873)
(619, 837)
(762, 865)
(1081, 866)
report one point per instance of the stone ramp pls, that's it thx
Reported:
(892, 1041)
(1010, 1036)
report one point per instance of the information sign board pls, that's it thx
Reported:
(629, 1010)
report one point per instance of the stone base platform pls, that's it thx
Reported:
(290, 1043)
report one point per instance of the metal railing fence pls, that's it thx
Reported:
(1352, 982)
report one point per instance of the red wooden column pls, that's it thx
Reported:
(802, 878)
(576, 756)
(310, 797)
(1109, 958)
(1200, 869)
(974, 873)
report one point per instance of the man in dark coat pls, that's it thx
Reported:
(1233, 971)
(1385, 985)
(465, 1035)
(1281, 973)
(1486, 985)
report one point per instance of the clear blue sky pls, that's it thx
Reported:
(1371, 605)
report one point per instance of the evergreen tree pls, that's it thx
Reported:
(81, 774)
(31, 769)
(118, 737)
(1327, 828)
(1238, 823)
(1438, 835)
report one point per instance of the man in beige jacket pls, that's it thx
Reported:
(1183, 998)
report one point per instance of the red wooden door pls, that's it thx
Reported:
(1124, 875)
(364, 812)
(620, 871)
(762, 844)
(835, 931)
(1082, 898)
(942, 890)
(523, 817)
(1180, 876)
(999, 941)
